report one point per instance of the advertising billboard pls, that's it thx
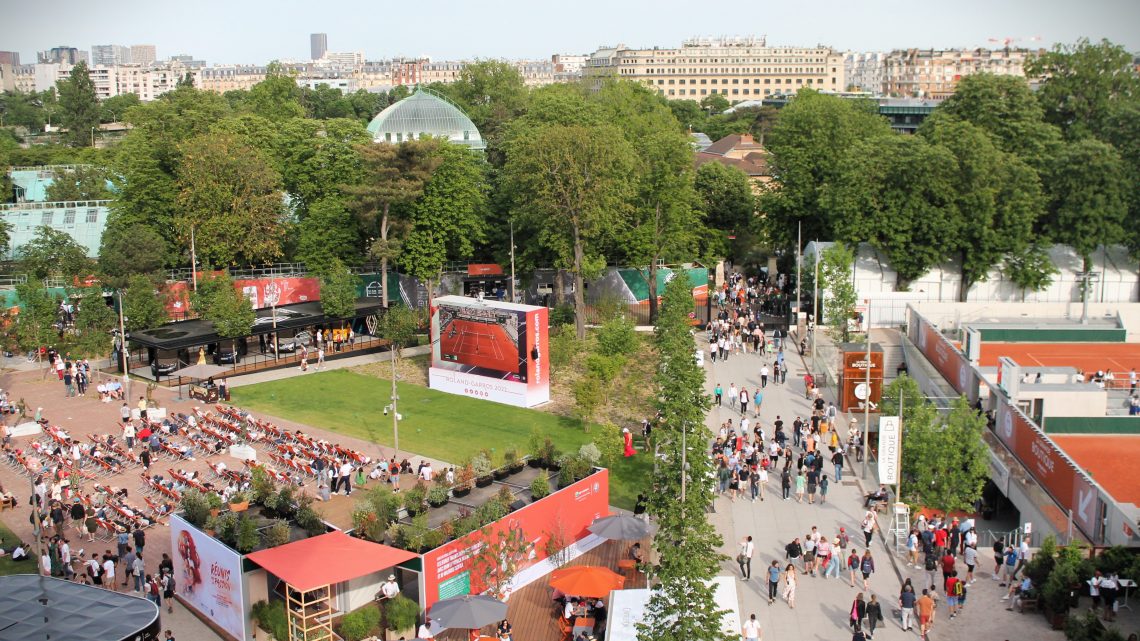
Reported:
(945, 356)
(1048, 465)
(449, 571)
(261, 292)
(491, 350)
(208, 576)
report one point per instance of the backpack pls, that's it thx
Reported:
(931, 564)
(958, 588)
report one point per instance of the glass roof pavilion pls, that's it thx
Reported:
(425, 113)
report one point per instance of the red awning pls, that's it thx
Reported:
(327, 559)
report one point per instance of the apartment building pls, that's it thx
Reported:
(568, 66)
(736, 68)
(934, 73)
(864, 71)
(143, 54)
(230, 77)
(110, 55)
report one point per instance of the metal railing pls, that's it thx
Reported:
(62, 204)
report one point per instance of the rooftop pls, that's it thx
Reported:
(425, 113)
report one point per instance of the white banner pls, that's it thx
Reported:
(208, 576)
(889, 450)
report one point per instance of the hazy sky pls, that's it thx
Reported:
(256, 31)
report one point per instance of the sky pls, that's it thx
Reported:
(257, 31)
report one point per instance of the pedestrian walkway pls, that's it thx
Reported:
(823, 605)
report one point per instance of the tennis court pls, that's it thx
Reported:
(1088, 357)
(480, 344)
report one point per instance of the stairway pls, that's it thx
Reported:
(891, 342)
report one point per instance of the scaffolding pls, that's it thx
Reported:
(310, 614)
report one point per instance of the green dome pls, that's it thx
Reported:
(425, 113)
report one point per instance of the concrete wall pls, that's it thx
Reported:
(1066, 402)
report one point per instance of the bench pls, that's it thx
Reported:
(881, 506)
(1027, 603)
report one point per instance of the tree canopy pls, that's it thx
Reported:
(79, 107)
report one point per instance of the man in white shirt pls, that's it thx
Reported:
(745, 558)
(426, 472)
(109, 575)
(424, 632)
(390, 588)
(751, 630)
(346, 477)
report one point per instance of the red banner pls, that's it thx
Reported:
(946, 358)
(261, 292)
(448, 570)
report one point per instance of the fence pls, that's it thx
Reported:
(599, 310)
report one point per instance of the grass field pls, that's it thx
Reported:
(8, 541)
(437, 425)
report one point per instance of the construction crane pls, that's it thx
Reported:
(1007, 41)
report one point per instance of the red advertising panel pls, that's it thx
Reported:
(1048, 465)
(490, 349)
(946, 358)
(448, 570)
(261, 292)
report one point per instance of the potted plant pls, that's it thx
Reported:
(1057, 591)
(505, 496)
(464, 481)
(539, 487)
(215, 501)
(549, 456)
(437, 496)
(276, 534)
(414, 499)
(400, 616)
(247, 538)
(195, 507)
(482, 466)
(239, 502)
(512, 460)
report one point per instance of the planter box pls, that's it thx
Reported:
(484, 481)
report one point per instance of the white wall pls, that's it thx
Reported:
(356, 593)
(1075, 402)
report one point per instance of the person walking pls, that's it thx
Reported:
(925, 607)
(719, 391)
(773, 581)
(867, 567)
(764, 375)
(786, 482)
(744, 401)
(345, 473)
(790, 585)
(751, 630)
(823, 485)
(756, 482)
(744, 558)
(874, 615)
(733, 395)
(858, 613)
(869, 525)
(757, 401)
(907, 600)
(801, 485)
(837, 461)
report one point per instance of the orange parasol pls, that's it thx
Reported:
(586, 580)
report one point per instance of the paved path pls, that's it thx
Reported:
(822, 605)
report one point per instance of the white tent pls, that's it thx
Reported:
(627, 609)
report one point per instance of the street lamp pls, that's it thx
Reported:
(123, 349)
(393, 408)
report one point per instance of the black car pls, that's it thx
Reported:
(164, 368)
(226, 357)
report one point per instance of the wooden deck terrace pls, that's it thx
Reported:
(531, 610)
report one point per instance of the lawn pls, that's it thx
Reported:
(437, 425)
(8, 541)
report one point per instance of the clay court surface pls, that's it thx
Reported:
(1088, 357)
(1110, 459)
(480, 344)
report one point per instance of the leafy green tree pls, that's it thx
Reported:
(54, 253)
(328, 232)
(338, 290)
(5, 236)
(393, 176)
(492, 93)
(715, 103)
(315, 158)
(1031, 269)
(944, 460)
(1090, 189)
(571, 184)
(997, 197)
(79, 106)
(807, 146)
(682, 606)
(897, 193)
(26, 109)
(689, 115)
(34, 327)
(449, 219)
(1083, 83)
(218, 301)
(94, 320)
(325, 102)
(725, 196)
(365, 104)
(114, 109)
(230, 199)
(143, 306)
(398, 326)
(84, 182)
(839, 297)
(1006, 109)
(130, 250)
(277, 97)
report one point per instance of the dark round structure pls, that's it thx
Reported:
(36, 607)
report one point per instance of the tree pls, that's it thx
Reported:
(53, 253)
(944, 461)
(1089, 191)
(725, 196)
(997, 198)
(143, 305)
(26, 109)
(83, 182)
(492, 93)
(94, 320)
(230, 200)
(35, 324)
(682, 606)
(1082, 85)
(79, 106)
(807, 145)
(277, 97)
(327, 233)
(338, 290)
(497, 561)
(218, 301)
(398, 326)
(1031, 269)
(114, 109)
(5, 236)
(715, 103)
(325, 102)
(1006, 109)
(392, 175)
(571, 184)
(130, 250)
(449, 219)
(838, 300)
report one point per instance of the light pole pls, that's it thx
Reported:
(867, 383)
(394, 407)
(815, 308)
(123, 349)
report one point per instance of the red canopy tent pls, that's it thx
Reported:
(327, 559)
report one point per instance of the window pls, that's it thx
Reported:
(746, 81)
(467, 135)
(681, 81)
(399, 137)
(46, 218)
(92, 215)
(660, 82)
(387, 136)
(703, 92)
(746, 91)
(799, 81)
(767, 81)
(69, 217)
(736, 81)
(767, 91)
(671, 92)
(736, 91)
(670, 81)
(713, 81)
(705, 81)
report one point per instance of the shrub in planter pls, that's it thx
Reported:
(512, 459)
(239, 502)
(401, 613)
(549, 455)
(433, 539)
(262, 487)
(309, 521)
(590, 454)
(464, 480)
(361, 623)
(247, 537)
(276, 534)
(505, 496)
(226, 528)
(271, 618)
(414, 499)
(539, 487)
(215, 501)
(437, 496)
(481, 465)
(490, 512)
(195, 507)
